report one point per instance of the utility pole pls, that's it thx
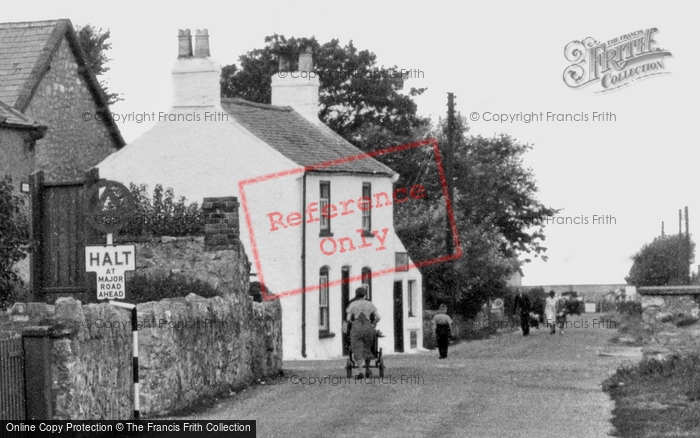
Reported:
(449, 169)
(449, 180)
(686, 267)
(681, 250)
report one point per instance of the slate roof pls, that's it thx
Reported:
(11, 118)
(26, 50)
(300, 140)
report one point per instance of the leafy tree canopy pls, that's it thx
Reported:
(661, 262)
(360, 100)
(94, 44)
(13, 234)
(497, 213)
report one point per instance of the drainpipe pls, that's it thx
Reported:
(303, 272)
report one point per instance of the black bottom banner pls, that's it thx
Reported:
(134, 428)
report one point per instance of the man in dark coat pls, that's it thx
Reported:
(442, 326)
(522, 307)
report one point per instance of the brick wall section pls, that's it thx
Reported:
(71, 145)
(221, 227)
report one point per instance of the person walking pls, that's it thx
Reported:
(561, 314)
(442, 327)
(550, 311)
(364, 316)
(347, 325)
(522, 307)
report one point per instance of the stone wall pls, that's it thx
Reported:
(63, 102)
(188, 348)
(665, 306)
(17, 157)
(227, 270)
(670, 316)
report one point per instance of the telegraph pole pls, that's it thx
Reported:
(686, 267)
(449, 169)
(449, 180)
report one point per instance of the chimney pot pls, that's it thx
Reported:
(201, 44)
(184, 43)
(306, 60)
(284, 63)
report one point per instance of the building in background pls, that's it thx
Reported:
(44, 77)
(205, 146)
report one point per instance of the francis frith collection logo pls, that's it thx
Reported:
(615, 63)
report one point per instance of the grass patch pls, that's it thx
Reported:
(629, 326)
(657, 397)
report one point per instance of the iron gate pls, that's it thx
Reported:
(12, 403)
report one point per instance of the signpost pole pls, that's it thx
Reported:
(135, 348)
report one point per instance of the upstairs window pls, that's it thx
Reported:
(324, 200)
(366, 208)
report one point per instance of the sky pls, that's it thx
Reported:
(636, 169)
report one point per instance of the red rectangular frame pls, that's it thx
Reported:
(443, 182)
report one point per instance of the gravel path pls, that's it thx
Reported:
(508, 386)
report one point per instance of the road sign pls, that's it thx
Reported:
(110, 262)
(112, 205)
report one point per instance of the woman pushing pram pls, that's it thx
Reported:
(362, 319)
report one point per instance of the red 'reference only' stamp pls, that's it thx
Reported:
(285, 232)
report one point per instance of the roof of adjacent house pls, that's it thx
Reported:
(26, 51)
(11, 118)
(316, 147)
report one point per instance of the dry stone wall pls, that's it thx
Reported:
(189, 347)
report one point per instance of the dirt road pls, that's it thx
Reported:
(510, 386)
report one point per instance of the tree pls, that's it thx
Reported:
(359, 100)
(13, 233)
(495, 206)
(95, 46)
(661, 262)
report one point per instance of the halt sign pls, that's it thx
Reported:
(110, 262)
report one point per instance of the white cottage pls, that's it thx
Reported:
(320, 224)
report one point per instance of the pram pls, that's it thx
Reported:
(376, 351)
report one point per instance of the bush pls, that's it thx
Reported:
(14, 231)
(144, 288)
(631, 308)
(685, 369)
(162, 215)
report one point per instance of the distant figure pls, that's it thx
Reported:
(550, 311)
(522, 307)
(363, 316)
(561, 314)
(442, 326)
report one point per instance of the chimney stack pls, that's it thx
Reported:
(201, 44)
(306, 60)
(196, 79)
(185, 43)
(284, 63)
(298, 90)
